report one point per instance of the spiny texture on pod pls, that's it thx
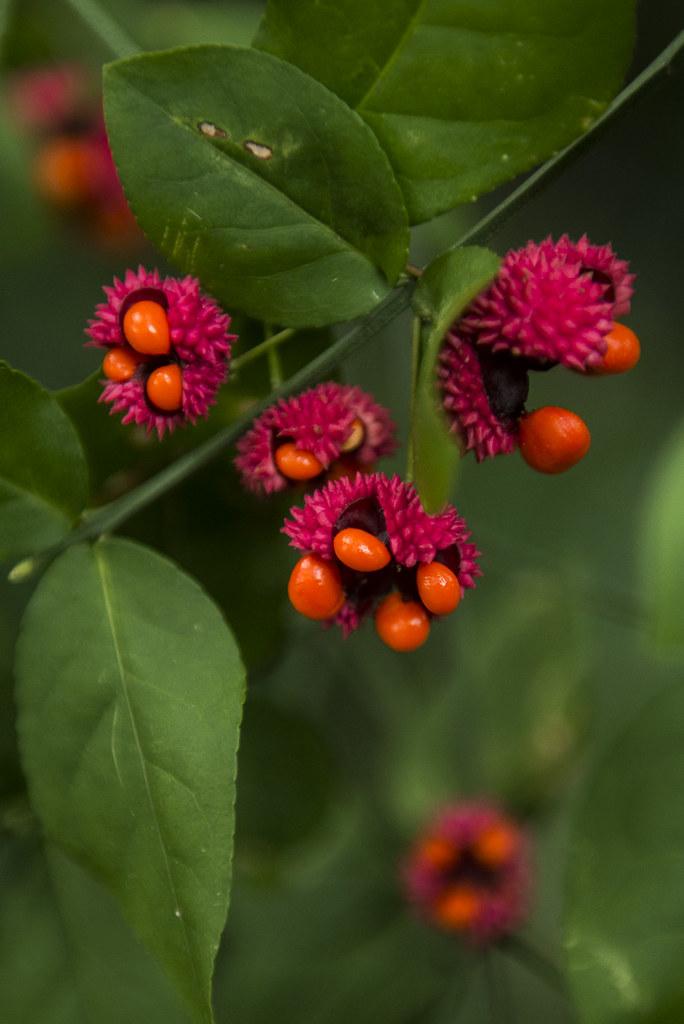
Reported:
(332, 427)
(375, 530)
(552, 303)
(194, 355)
(469, 872)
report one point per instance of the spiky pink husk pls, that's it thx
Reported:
(601, 259)
(413, 535)
(319, 421)
(466, 403)
(199, 338)
(541, 306)
(46, 98)
(505, 904)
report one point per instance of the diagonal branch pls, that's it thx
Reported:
(111, 515)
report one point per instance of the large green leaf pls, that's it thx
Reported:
(625, 918)
(663, 549)
(66, 955)
(129, 691)
(43, 475)
(252, 175)
(447, 286)
(462, 95)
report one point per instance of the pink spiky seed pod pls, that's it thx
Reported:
(469, 873)
(604, 266)
(376, 534)
(49, 98)
(483, 394)
(161, 333)
(330, 429)
(544, 307)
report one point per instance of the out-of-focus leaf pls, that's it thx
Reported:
(662, 549)
(129, 690)
(445, 289)
(43, 474)
(509, 712)
(333, 943)
(462, 95)
(287, 779)
(168, 24)
(66, 955)
(625, 904)
(247, 172)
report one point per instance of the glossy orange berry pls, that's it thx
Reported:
(119, 364)
(439, 853)
(315, 588)
(623, 351)
(402, 625)
(296, 463)
(438, 588)
(459, 907)
(357, 432)
(495, 845)
(146, 328)
(165, 388)
(360, 550)
(553, 439)
(62, 171)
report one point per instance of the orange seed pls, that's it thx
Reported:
(296, 463)
(438, 588)
(402, 625)
(119, 364)
(622, 353)
(360, 550)
(146, 328)
(315, 588)
(553, 439)
(165, 388)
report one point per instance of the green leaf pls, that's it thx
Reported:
(625, 915)
(250, 174)
(462, 95)
(663, 550)
(43, 474)
(129, 693)
(447, 286)
(66, 955)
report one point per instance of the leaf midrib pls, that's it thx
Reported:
(107, 597)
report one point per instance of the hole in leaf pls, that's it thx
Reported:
(258, 149)
(211, 130)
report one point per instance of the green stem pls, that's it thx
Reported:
(105, 27)
(110, 516)
(261, 349)
(416, 336)
(532, 185)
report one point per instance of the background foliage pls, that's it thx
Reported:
(556, 690)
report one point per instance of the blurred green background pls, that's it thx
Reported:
(347, 748)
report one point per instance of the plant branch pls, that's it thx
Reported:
(105, 27)
(531, 186)
(110, 516)
(261, 349)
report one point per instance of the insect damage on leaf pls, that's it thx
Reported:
(212, 131)
(258, 149)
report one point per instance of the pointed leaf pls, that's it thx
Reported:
(447, 286)
(250, 174)
(462, 95)
(43, 474)
(129, 692)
